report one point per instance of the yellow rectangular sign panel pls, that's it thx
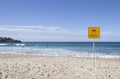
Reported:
(93, 32)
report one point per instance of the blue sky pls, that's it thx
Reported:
(59, 20)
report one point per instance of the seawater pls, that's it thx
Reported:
(77, 49)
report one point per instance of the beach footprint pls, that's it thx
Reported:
(0, 75)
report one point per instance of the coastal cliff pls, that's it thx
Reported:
(8, 39)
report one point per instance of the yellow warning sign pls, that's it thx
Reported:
(93, 32)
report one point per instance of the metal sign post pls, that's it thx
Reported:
(94, 52)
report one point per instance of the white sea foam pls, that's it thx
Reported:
(52, 52)
(20, 44)
(1, 44)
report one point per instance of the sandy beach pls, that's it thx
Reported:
(51, 67)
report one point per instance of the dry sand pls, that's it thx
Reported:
(50, 67)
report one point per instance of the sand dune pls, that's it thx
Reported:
(49, 67)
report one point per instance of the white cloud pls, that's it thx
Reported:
(29, 28)
(43, 33)
(38, 33)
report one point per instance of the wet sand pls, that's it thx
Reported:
(51, 67)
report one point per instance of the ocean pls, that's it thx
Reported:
(76, 49)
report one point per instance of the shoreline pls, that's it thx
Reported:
(45, 55)
(57, 67)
